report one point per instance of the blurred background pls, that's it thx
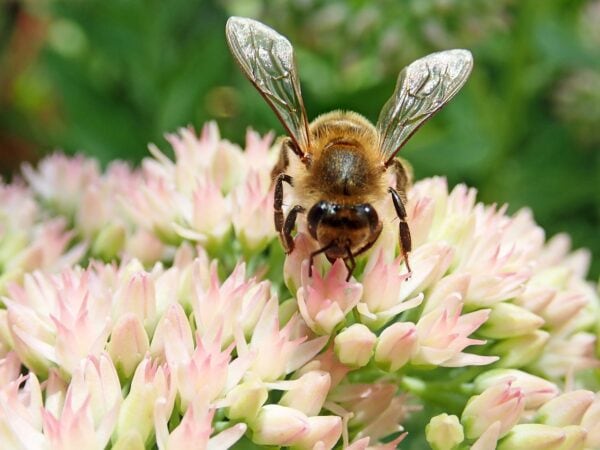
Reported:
(107, 77)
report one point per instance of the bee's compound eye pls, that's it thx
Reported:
(366, 210)
(315, 215)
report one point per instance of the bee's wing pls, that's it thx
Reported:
(422, 89)
(267, 59)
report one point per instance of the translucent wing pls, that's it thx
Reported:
(422, 89)
(267, 59)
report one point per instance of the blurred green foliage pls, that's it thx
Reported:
(107, 77)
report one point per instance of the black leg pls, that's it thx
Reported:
(405, 240)
(315, 253)
(288, 227)
(350, 263)
(278, 203)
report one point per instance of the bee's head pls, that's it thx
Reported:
(342, 228)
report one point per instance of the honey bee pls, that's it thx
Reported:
(338, 163)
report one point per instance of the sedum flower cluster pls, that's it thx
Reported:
(154, 308)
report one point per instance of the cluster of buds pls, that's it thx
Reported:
(152, 343)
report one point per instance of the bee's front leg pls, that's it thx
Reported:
(405, 240)
(288, 227)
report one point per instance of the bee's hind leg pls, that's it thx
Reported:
(405, 239)
(404, 176)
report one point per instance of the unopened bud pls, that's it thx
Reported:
(396, 345)
(537, 390)
(444, 432)
(521, 350)
(128, 344)
(533, 436)
(245, 400)
(109, 242)
(279, 425)
(354, 346)
(566, 409)
(507, 320)
(323, 432)
(309, 392)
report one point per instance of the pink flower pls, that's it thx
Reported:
(224, 308)
(276, 351)
(151, 383)
(377, 410)
(21, 410)
(383, 295)
(61, 180)
(443, 334)
(194, 430)
(58, 320)
(325, 301)
(252, 204)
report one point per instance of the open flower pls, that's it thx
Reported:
(325, 301)
(443, 334)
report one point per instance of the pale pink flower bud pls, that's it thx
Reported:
(175, 329)
(137, 295)
(396, 345)
(591, 423)
(150, 383)
(354, 345)
(533, 437)
(575, 438)
(279, 425)
(325, 301)
(128, 344)
(566, 409)
(507, 320)
(308, 392)
(323, 433)
(245, 400)
(444, 432)
(536, 390)
(443, 334)
(521, 350)
(501, 402)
